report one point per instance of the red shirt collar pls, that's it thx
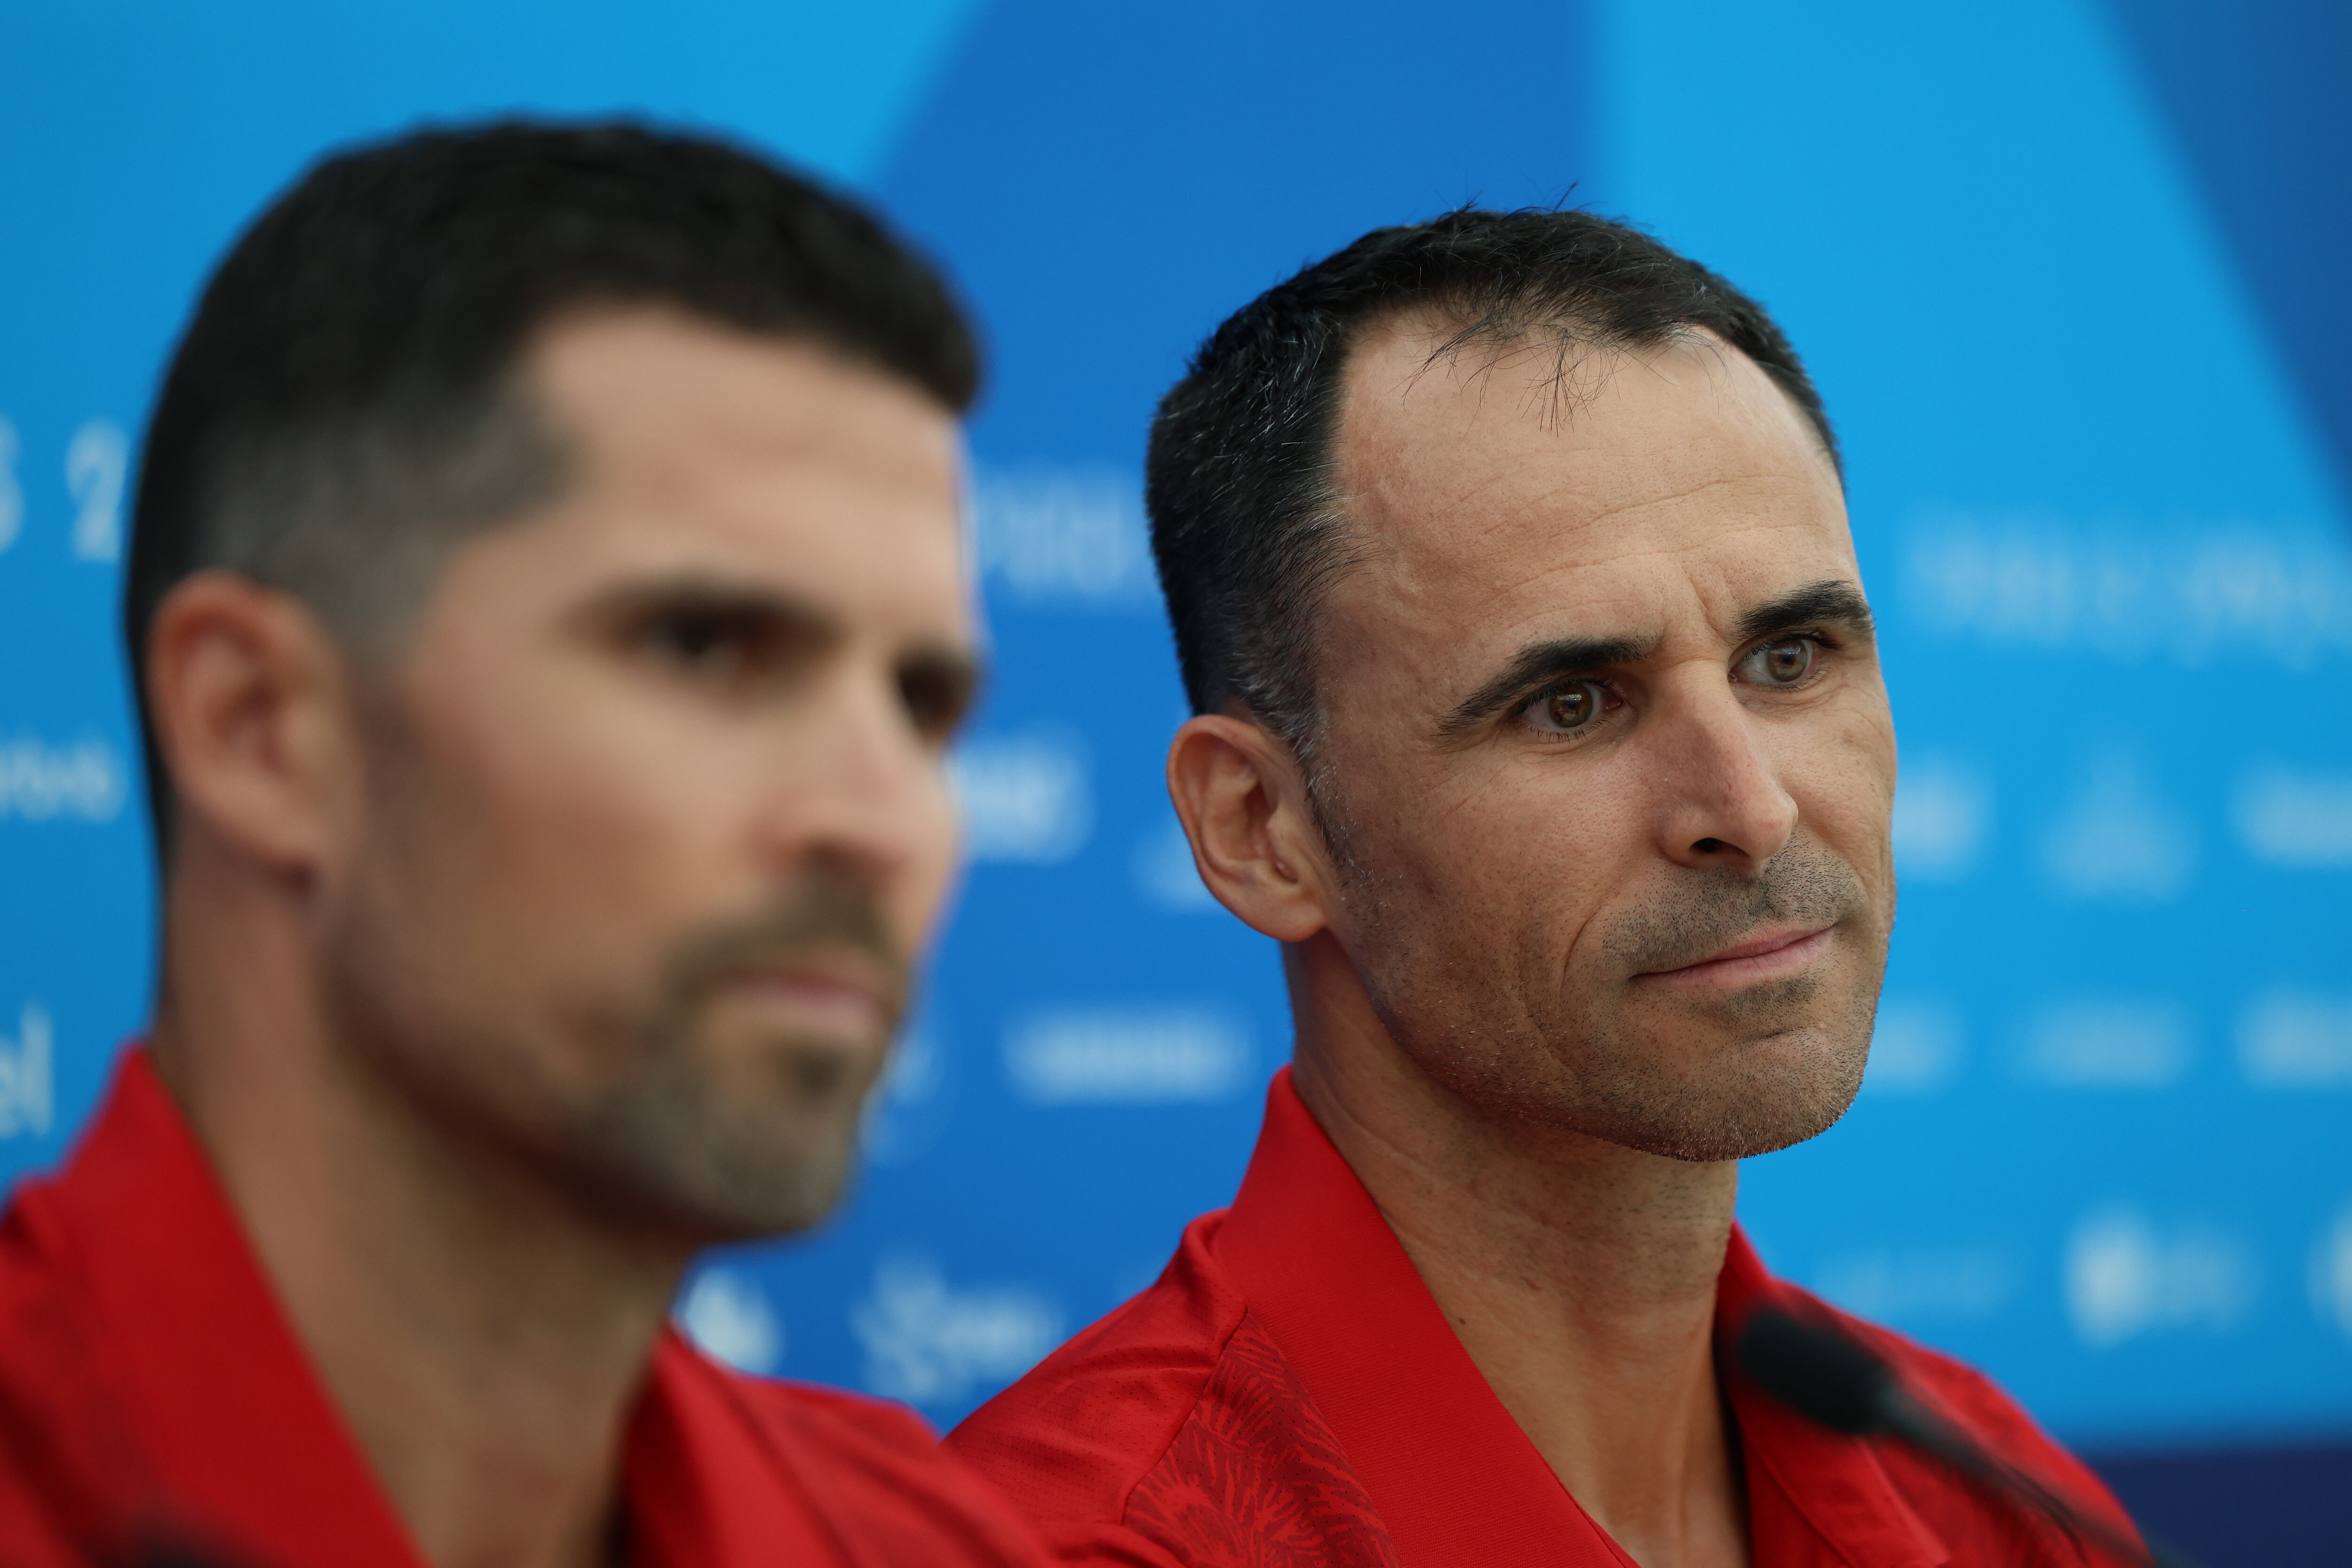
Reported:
(237, 1432)
(1451, 1474)
(1797, 1470)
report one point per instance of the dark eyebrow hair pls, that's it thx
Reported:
(1535, 664)
(1833, 599)
(946, 658)
(958, 671)
(714, 593)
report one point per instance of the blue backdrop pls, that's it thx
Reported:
(2071, 276)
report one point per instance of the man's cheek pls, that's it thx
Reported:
(1843, 784)
(1861, 744)
(918, 905)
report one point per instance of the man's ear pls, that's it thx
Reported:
(250, 703)
(1243, 804)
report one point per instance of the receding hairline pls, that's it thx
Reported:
(1455, 330)
(1448, 336)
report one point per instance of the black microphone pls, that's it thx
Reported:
(1826, 1374)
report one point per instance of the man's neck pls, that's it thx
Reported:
(1581, 1275)
(482, 1339)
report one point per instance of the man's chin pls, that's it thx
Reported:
(1730, 1134)
(1755, 1096)
(777, 1177)
(713, 1171)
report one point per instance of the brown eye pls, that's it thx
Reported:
(1565, 710)
(1784, 663)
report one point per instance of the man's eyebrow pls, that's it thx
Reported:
(1833, 599)
(1535, 664)
(711, 594)
(964, 664)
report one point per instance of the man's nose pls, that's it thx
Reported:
(1721, 803)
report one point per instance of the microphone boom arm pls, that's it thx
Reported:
(1830, 1377)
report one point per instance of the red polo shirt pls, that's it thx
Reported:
(1289, 1393)
(153, 1401)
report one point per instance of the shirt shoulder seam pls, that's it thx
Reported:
(1192, 1409)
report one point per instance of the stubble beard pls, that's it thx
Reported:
(676, 1132)
(1477, 999)
(771, 1163)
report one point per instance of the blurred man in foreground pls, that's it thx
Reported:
(1538, 718)
(550, 614)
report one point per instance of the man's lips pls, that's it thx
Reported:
(824, 993)
(1774, 954)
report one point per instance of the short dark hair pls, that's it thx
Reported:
(1239, 482)
(341, 412)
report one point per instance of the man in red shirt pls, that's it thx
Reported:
(1537, 717)
(550, 610)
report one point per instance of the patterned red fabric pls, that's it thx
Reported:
(1255, 1477)
(156, 1408)
(1288, 1394)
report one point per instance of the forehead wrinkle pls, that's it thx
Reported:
(1433, 581)
(1641, 577)
(1403, 520)
(1395, 509)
